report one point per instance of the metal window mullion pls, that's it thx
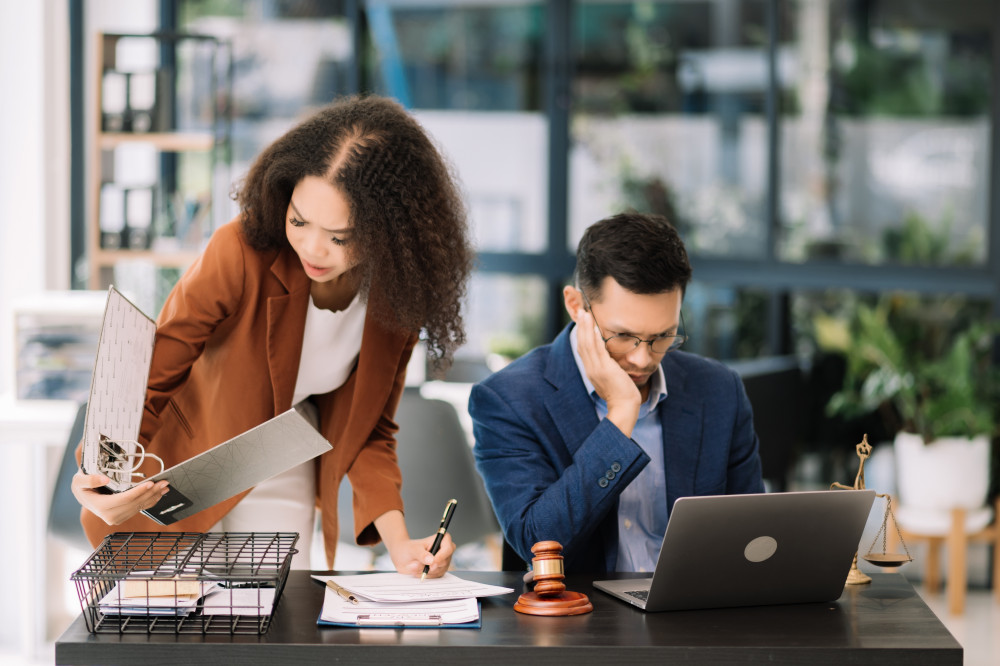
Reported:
(778, 325)
(993, 196)
(77, 192)
(557, 96)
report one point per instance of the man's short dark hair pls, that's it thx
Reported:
(642, 252)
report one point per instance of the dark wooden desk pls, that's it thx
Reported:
(883, 623)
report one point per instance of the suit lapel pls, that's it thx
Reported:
(286, 322)
(571, 408)
(680, 419)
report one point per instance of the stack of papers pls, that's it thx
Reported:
(256, 601)
(154, 597)
(165, 597)
(395, 600)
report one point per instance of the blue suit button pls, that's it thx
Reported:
(615, 467)
(610, 475)
(602, 482)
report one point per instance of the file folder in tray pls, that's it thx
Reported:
(184, 582)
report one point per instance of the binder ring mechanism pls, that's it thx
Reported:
(120, 458)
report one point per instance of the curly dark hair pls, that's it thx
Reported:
(642, 252)
(410, 230)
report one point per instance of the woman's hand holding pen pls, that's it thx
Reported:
(413, 555)
(116, 508)
(409, 556)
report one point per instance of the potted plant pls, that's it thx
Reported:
(929, 373)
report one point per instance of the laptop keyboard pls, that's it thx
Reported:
(641, 595)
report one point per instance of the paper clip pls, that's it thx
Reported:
(119, 464)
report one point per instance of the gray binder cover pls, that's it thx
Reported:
(242, 462)
(117, 391)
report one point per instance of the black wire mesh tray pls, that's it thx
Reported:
(184, 582)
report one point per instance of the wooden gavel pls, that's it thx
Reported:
(550, 596)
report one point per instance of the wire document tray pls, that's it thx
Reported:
(184, 582)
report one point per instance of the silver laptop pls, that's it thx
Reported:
(752, 550)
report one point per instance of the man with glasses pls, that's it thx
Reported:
(589, 440)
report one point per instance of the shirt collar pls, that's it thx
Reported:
(657, 387)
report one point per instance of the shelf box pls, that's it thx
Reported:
(55, 344)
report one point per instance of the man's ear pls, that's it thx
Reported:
(573, 300)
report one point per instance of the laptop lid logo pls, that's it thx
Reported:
(760, 549)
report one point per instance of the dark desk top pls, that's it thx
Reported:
(883, 623)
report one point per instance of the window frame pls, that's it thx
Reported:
(777, 277)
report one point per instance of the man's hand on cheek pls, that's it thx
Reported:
(611, 382)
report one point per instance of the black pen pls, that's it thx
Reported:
(445, 519)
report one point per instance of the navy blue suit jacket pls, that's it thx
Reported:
(554, 471)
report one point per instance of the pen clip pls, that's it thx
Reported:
(448, 508)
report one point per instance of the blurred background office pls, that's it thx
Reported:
(818, 156)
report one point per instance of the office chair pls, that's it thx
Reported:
(437, 464)
(775, 388)
(64, 510)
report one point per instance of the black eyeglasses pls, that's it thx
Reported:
(622, 343)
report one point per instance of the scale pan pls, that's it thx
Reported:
(888, 559)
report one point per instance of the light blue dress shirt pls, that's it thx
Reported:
(642, 506)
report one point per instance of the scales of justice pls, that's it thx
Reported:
(883, 559)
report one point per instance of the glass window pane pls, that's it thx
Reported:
(506, 194)
(668, 117)
(472, 75)
(725, 322)
(505, 316)
(913, 339)
(885, 132)
(288, 57)
(457, 55)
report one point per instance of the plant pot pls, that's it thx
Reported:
(948, 473)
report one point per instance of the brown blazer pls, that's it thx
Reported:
(226, 359)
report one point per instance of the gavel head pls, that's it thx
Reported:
(547, 565)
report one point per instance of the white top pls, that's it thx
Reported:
(330, 348)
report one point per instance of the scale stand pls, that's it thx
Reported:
(883, 559)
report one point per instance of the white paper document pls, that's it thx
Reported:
(239, 601)
(338, 610)
(398, 588)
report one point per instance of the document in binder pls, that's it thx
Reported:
(114, 414)
(450, 613)
(395, 600)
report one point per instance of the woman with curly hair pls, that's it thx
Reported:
(351, 240)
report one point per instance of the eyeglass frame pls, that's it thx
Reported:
(674, 346)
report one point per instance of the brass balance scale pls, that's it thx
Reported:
(884, 558)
